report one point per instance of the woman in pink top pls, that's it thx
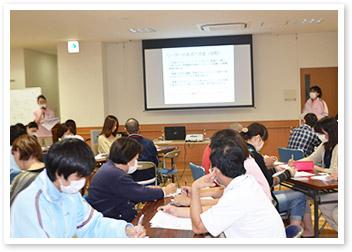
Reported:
(40, 115)
(315, 104)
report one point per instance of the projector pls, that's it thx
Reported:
(194, 138)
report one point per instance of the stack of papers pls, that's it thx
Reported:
(168, 221)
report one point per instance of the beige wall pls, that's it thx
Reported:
(41, 71)
(81, 84)
(17, 70)
(317, 49)
(277, 60)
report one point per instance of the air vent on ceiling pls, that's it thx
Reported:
(223, 26)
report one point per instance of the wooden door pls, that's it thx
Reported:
(326, 79)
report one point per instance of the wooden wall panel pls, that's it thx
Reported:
(279, 132)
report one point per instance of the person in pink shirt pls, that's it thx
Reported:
(315, 104)
(40, 115)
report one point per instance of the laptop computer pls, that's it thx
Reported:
(175, 133)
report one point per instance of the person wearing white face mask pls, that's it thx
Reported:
(52, 206)
(40, 115)
(290, 201)
(315, 104)
(113, 191)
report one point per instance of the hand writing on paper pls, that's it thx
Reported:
(182, 200)
(135, 231)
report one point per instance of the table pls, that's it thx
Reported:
(313, 188)
(149, 211)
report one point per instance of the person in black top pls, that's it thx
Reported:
(290, 201)
(149, 152)
(113, 192)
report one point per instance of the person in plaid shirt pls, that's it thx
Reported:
(304, 138)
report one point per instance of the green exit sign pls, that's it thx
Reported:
(73, 47)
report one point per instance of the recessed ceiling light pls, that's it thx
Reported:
(142, 30)
(223, 26)
(311, 21)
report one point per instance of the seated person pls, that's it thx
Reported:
(149, 152)
(327, 155)
(32, 129)
(28, 156)
(250, 165)
(252, 168)
(71, 131)
(108, 134)
(113, 191)
(52, 206)
(304, 138)
(327, 151)
(15, 131)
(238, 213)
(290, 201)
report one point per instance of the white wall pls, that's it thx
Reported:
(41, 71)
(81, 84)
(17, 70)
(277, 59)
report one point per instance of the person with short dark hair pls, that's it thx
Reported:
(108, 134)
(220, 137)
(315, 104)
(149, 152)
(40, 115)
(303, 137)
(15, 131)
(32, 129)
(27, 153)
(238, 213)
(52, 206)
(113, 191)
(69, 130)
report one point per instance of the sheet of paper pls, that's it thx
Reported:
(322, 177)
(178, 191)
(164, 220)
(50, 123)
(302, 174)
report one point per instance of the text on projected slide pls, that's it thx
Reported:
(203, 74)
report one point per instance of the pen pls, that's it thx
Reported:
(140, 220)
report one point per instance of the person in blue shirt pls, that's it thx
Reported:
(52, 206)
(149, 151)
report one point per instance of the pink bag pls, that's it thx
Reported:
(307, 166)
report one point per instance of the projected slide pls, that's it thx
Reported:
(204, 74)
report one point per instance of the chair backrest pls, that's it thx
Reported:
(172, 155)
(145, 165)
(94, 134)
(286, 154)
(293, 231)
(197, 171)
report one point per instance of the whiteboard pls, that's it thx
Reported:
(23, 102)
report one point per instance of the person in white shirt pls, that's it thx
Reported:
(244, 211)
